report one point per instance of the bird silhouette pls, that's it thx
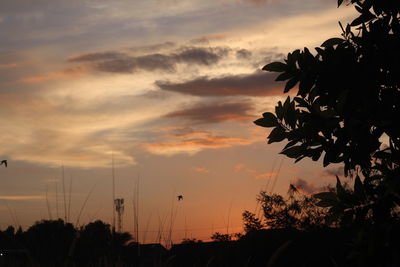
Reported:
(4, 162)
(180, 197)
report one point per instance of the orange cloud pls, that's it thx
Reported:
(194, 145)
(265, 175)
(16, 197)
(64, 74)
(201, 169)
(238, 167)
(251, 171)
(8, 66)
(186, 132)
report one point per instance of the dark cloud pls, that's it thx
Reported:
(202, 56)
(153, 47)
(305, 186)
(215, 112)
(256, 84)
(97, 57)
(132, 64)
(155, 94)
(205, 39)
(258, 1)
(122, 63)
(243, 54)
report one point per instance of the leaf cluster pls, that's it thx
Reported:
(348, 93)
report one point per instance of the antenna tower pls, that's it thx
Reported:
(119, 208)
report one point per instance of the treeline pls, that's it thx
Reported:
(58, 243)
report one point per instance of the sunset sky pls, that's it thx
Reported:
(168, 88)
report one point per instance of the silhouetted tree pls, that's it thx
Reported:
(94, 243)
(348, 101)
(218, 237)
(191, 241)
(297, 211)
(251, 222)
(98, 244)
(49, 241)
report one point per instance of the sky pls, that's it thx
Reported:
(166, 91)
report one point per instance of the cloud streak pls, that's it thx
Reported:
(116, 62)
(255, 84)
(17, 197)
(192, 145)
(215, 112)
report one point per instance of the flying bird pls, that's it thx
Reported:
(4, 162)
(180, 197)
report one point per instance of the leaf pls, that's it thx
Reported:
(284, 76)
(276, 135)
(275, 67)
(365, 17)
(268, 120)
(306, 83)
(290, 84)
(348, 28)
(326, 161)
(339, 188)
(279, 110)
(301, 102)
(299, 158)
(291, 115)
(293, 152)
(332, 42)
(359, 188)
(320, 51)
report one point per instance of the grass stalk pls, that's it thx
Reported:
(48, 204)
(83, 205)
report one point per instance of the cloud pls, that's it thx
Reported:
(8, 66)
(305, 186)
(192, 145)
(17, 197)
(243, 54)
(258, 1)
(96, 56)
(115, 62)
(209, 37)
(238, 167)
(151, 62)
(215, 112)
(265, 175)
(187, 132)
(153, 47)
(201, 169)
(255, 84)
(201, 56)
(64, 74)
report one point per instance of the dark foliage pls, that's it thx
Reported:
(348, 101)
(49, 242)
